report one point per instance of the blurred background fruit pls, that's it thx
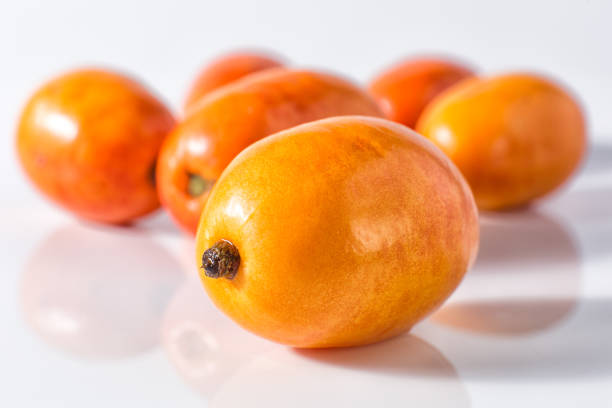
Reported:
(515, 137)
(227, 69)
(204, 143)
(405, 89)
(89, 140)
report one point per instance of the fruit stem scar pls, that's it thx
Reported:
(152, 174)
(221, 260)
(197, 185)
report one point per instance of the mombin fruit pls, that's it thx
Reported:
(515, 137)
(406, 88)
(225, 70)
(239, 114)
(89, 141)
(339, 232)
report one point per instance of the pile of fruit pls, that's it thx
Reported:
(325, 214)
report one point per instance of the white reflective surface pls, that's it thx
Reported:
(93, 316)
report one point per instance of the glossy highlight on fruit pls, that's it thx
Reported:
(225, 70)
(515, 137)
(89, 141)
(405, 89)
(226, 122)
(348, 231)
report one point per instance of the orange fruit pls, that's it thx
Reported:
(514, 137)
(89, 141)
(405, 89)
(339, 232)
(225, 70)
(204, 143)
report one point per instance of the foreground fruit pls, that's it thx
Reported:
(89, 141)
(515, 137)
(340, 232)
(225, 70)
(405, 89)
(202, 145)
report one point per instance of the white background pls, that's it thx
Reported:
(166, 42)
(558, 255)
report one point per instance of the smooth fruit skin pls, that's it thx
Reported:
(89, 141)
(238, 115)
(514, 137)
(225, 70)
(406, 88)
(350, 230)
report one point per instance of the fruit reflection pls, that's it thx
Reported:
(204, 346)
(405, 371)
(526, 277)
(98, 292)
